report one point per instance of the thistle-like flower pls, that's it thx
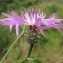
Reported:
(34, 19)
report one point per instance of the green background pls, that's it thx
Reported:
(47, 50)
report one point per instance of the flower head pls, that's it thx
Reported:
(12, 20)
(34, 19)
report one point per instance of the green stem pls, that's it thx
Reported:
(13, 44)
(29, 53)
(30, 50)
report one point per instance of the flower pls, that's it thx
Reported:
(12, 20)
(34, 19)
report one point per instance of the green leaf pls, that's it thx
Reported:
(34, 60)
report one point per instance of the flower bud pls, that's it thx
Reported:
(32, 35)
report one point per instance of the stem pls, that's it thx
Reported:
(30, 50)
(13, 45)
(29, 53)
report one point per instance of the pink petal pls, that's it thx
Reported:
(10, 28)
(42, 32)
(17, 29)
(6, 15)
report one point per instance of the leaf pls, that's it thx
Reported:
(34, 60)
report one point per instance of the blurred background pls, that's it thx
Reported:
(47, 50)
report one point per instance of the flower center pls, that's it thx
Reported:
(34, 28)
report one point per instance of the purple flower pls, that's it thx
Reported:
(34, 19)
(12, 20)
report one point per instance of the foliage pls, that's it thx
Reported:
(52, 50)
(34, 60)
(5, 39)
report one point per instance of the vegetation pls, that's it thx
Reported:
(47, 50)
